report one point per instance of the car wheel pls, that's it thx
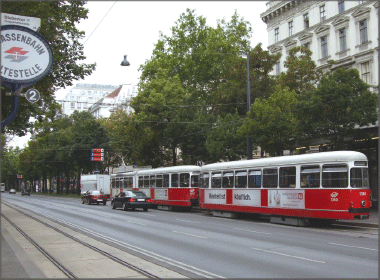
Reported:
(113, 205)
(88, 202)
(97, 203)
(125, 207)
(145, 209)
(105, 203)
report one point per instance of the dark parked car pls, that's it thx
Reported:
(94, 197)
(12, 191)
(25, 192)
(131, 199)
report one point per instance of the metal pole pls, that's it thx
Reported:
(249, 140)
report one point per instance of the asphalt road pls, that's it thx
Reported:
(194, 243)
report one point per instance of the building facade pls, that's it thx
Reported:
(343, 31)
(120, 98)
(83, 96)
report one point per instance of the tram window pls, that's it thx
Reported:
(159, 181)
(129, 182)
(310, 176)
(125, 182)
(141, 181)
(174, 180)
(166, 181)
(152, 181)
(254, 179)
(184, 180)
(195, 180)
(146, 181)
(117, 182)
(334, 176)
(241, 179)
(288, 177)
(204, 180)
(113, 183)
(216, 180)
(228, 180)
(359, 178)
(270, 178)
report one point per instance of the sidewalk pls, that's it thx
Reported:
(373, 220)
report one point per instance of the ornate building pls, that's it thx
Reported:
(344, 31)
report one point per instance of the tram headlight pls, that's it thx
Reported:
(363, 203)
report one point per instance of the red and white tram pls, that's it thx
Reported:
(168, 187)
(171, 186)
(328, 185)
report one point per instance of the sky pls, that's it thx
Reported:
(117, 28)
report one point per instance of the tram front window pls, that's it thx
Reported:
(359, 178)
(335, 176)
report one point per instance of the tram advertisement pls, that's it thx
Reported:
(246, 197)
(286, 198)
(215, 196)
(161, 194)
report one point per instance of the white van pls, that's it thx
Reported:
(2, 187)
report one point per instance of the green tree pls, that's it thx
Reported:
(272, 122)
(338, 107)
(301, 74)
(195, 60)
(224, 142)
(58, 27)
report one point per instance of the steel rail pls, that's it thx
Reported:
(108, 255)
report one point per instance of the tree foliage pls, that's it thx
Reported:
(272, 122)
(338, 107)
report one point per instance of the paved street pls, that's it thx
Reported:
(197, 245)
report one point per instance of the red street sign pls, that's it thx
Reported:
(97, 158)
(97, 150)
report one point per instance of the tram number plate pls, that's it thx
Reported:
(363, 193)
(334, 199)
(140, 199)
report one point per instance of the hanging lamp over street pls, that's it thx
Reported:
(125, 62)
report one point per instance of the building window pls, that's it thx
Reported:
(78, 106)
(342, 39)
(306, 21)
(341, 6)
(363, 31)
(324, 47)
(72, 105)
(307, 45)
(322, 12)
(278, 69)
(85, 105)
(276, 35)
(291, 28)
(365, 72)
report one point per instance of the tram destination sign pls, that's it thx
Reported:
(26, 56)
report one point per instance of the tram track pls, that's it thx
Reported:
(63, 267)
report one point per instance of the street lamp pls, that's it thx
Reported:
(125, 62)
(249, 140)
